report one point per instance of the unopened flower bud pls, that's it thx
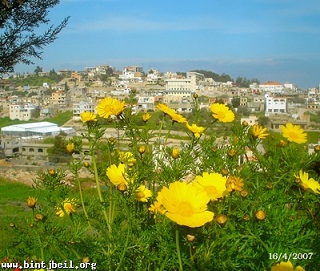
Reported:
(260, 215)
(245, 123)
(221, 219)
(175, 153)
(122, 187)
(141, 149)
(190, 237)
(85, 259)
(232, 152)
(39, 217)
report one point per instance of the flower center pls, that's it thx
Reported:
(140, 195)
(293, 135)
(221, 115)
(211, 190)
(185, 208)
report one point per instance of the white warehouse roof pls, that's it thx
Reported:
(37, 128)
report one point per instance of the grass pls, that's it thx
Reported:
(313, 137)
(13, 197)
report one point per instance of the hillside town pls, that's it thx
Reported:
(268, 103)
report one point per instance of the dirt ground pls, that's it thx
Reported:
(17, 174)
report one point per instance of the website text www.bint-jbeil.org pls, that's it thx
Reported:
(52, 265)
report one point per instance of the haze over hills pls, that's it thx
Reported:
(268, 40)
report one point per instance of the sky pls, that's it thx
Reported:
(271, 40)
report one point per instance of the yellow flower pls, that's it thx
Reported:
(143, 193)
(146, 117)
(234, 183)
(259, 132)
(88, 116)
(116, 174)
(196, 130)
(166, 109)
(186, 205)
(286, 266)
(213, 183)
(222, 112)
(31, 202)
(294, 133)
(307, 183)
(127, 158)
(175, 153)
(178, 118)
(70, 147)
(157, 207)
(68, 207)
(110, 107)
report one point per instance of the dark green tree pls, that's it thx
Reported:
(20, 21)
(235, 102)
(37, 70)
(57, 153)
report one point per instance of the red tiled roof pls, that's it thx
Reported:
(272, 83)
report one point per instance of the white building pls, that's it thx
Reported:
(81, 107)
(193, 82)
(146, 102)
(275, 105)
(272, 87)
(36, 129)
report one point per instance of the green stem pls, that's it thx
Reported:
(127, 239)
(41, 248)
(178, 250)
(81, 197)
(96, 177)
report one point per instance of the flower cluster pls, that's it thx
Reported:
(206, 197)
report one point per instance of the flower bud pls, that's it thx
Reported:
(86, 164)
(122, 187)
(225, 171)
(269, 185)
(244, 193)
(260, 215)
(141, 149)
(190, 237)
(221, 219)
(245, 123)
(52, 171)
(39, 217)
(317, 148)
(85, 259)
(232, 153)
(175, 153)
(70, 148)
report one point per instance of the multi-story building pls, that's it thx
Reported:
(275, 105)
(59, 97)
(180, 100)
(21, 111)
(81, 107)
(193, 82)
(272, 87)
